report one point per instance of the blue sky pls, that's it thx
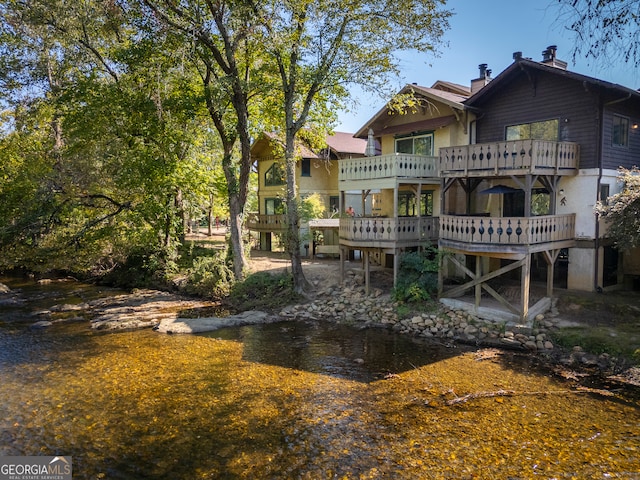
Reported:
(487, 32)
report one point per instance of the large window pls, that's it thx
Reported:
(546, 130)
(407, 204)
(418, 145)
(274, 175)
(620, 133)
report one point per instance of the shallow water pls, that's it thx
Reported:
(296, 400)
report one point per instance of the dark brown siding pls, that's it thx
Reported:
(543, 96)
(627, 157)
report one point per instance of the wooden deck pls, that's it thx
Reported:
(517, 157)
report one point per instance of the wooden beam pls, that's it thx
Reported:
(496, 273)
(479, 285)
(500, 299)
(550, 257)
(367, 271)
(396, 266)
(525, 279)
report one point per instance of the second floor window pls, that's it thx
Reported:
(274, 175)
(418, 145)
(305, 167)
(273, 206)
(546, 130)
(620, 133)
(407, 206)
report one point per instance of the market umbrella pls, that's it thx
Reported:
(500, 189)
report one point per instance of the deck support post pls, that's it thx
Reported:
(525, 284)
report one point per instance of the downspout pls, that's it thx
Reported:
(596, 266)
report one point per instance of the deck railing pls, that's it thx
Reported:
(508, 230)
(386, 166)
(380, 229)
(512, 157)
(266, 223)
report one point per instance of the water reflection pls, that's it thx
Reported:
(289, 400)
(336, 349)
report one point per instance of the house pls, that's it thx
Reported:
(518, 198)
(316, 172)
(394, 194)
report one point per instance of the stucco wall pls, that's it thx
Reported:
(581, 269)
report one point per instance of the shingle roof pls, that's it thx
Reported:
(343, 142)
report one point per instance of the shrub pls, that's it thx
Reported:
(209, 276)
(263, 291)
(418, 276)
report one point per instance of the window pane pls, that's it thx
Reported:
(426, 205)
(422, 146)
(547, 130)
(274, 175)
(305, 167)
(404, 145)
(620, 131)
(518, 132)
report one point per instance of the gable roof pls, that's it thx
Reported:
(524, 65)
(448, 93)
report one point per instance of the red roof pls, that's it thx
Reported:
(343, 142)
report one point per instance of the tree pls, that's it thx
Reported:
(113, 154)
(606, 31)
(227, 52)
(319, 47)
(622, 210)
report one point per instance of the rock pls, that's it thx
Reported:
(4, 288)
(42, 324)
(208, 324)
(510, 342)
(530, 345)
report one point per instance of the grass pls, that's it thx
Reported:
(607, 323)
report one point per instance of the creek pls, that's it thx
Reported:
(294, 400)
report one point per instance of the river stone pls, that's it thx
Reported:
(208, 324)
(4, 288)
(42, 324)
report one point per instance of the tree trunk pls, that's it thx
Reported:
(236, 209)
(235, 238)
(300, 283)
(210, 215)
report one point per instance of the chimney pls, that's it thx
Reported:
(549, 58)
(483, 79)
(517, 56)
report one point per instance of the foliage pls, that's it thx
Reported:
(312, 206)
(104, 160)
(418, 276)
(262, 291)
(622, 210)
(606, 31)
(210, 276)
